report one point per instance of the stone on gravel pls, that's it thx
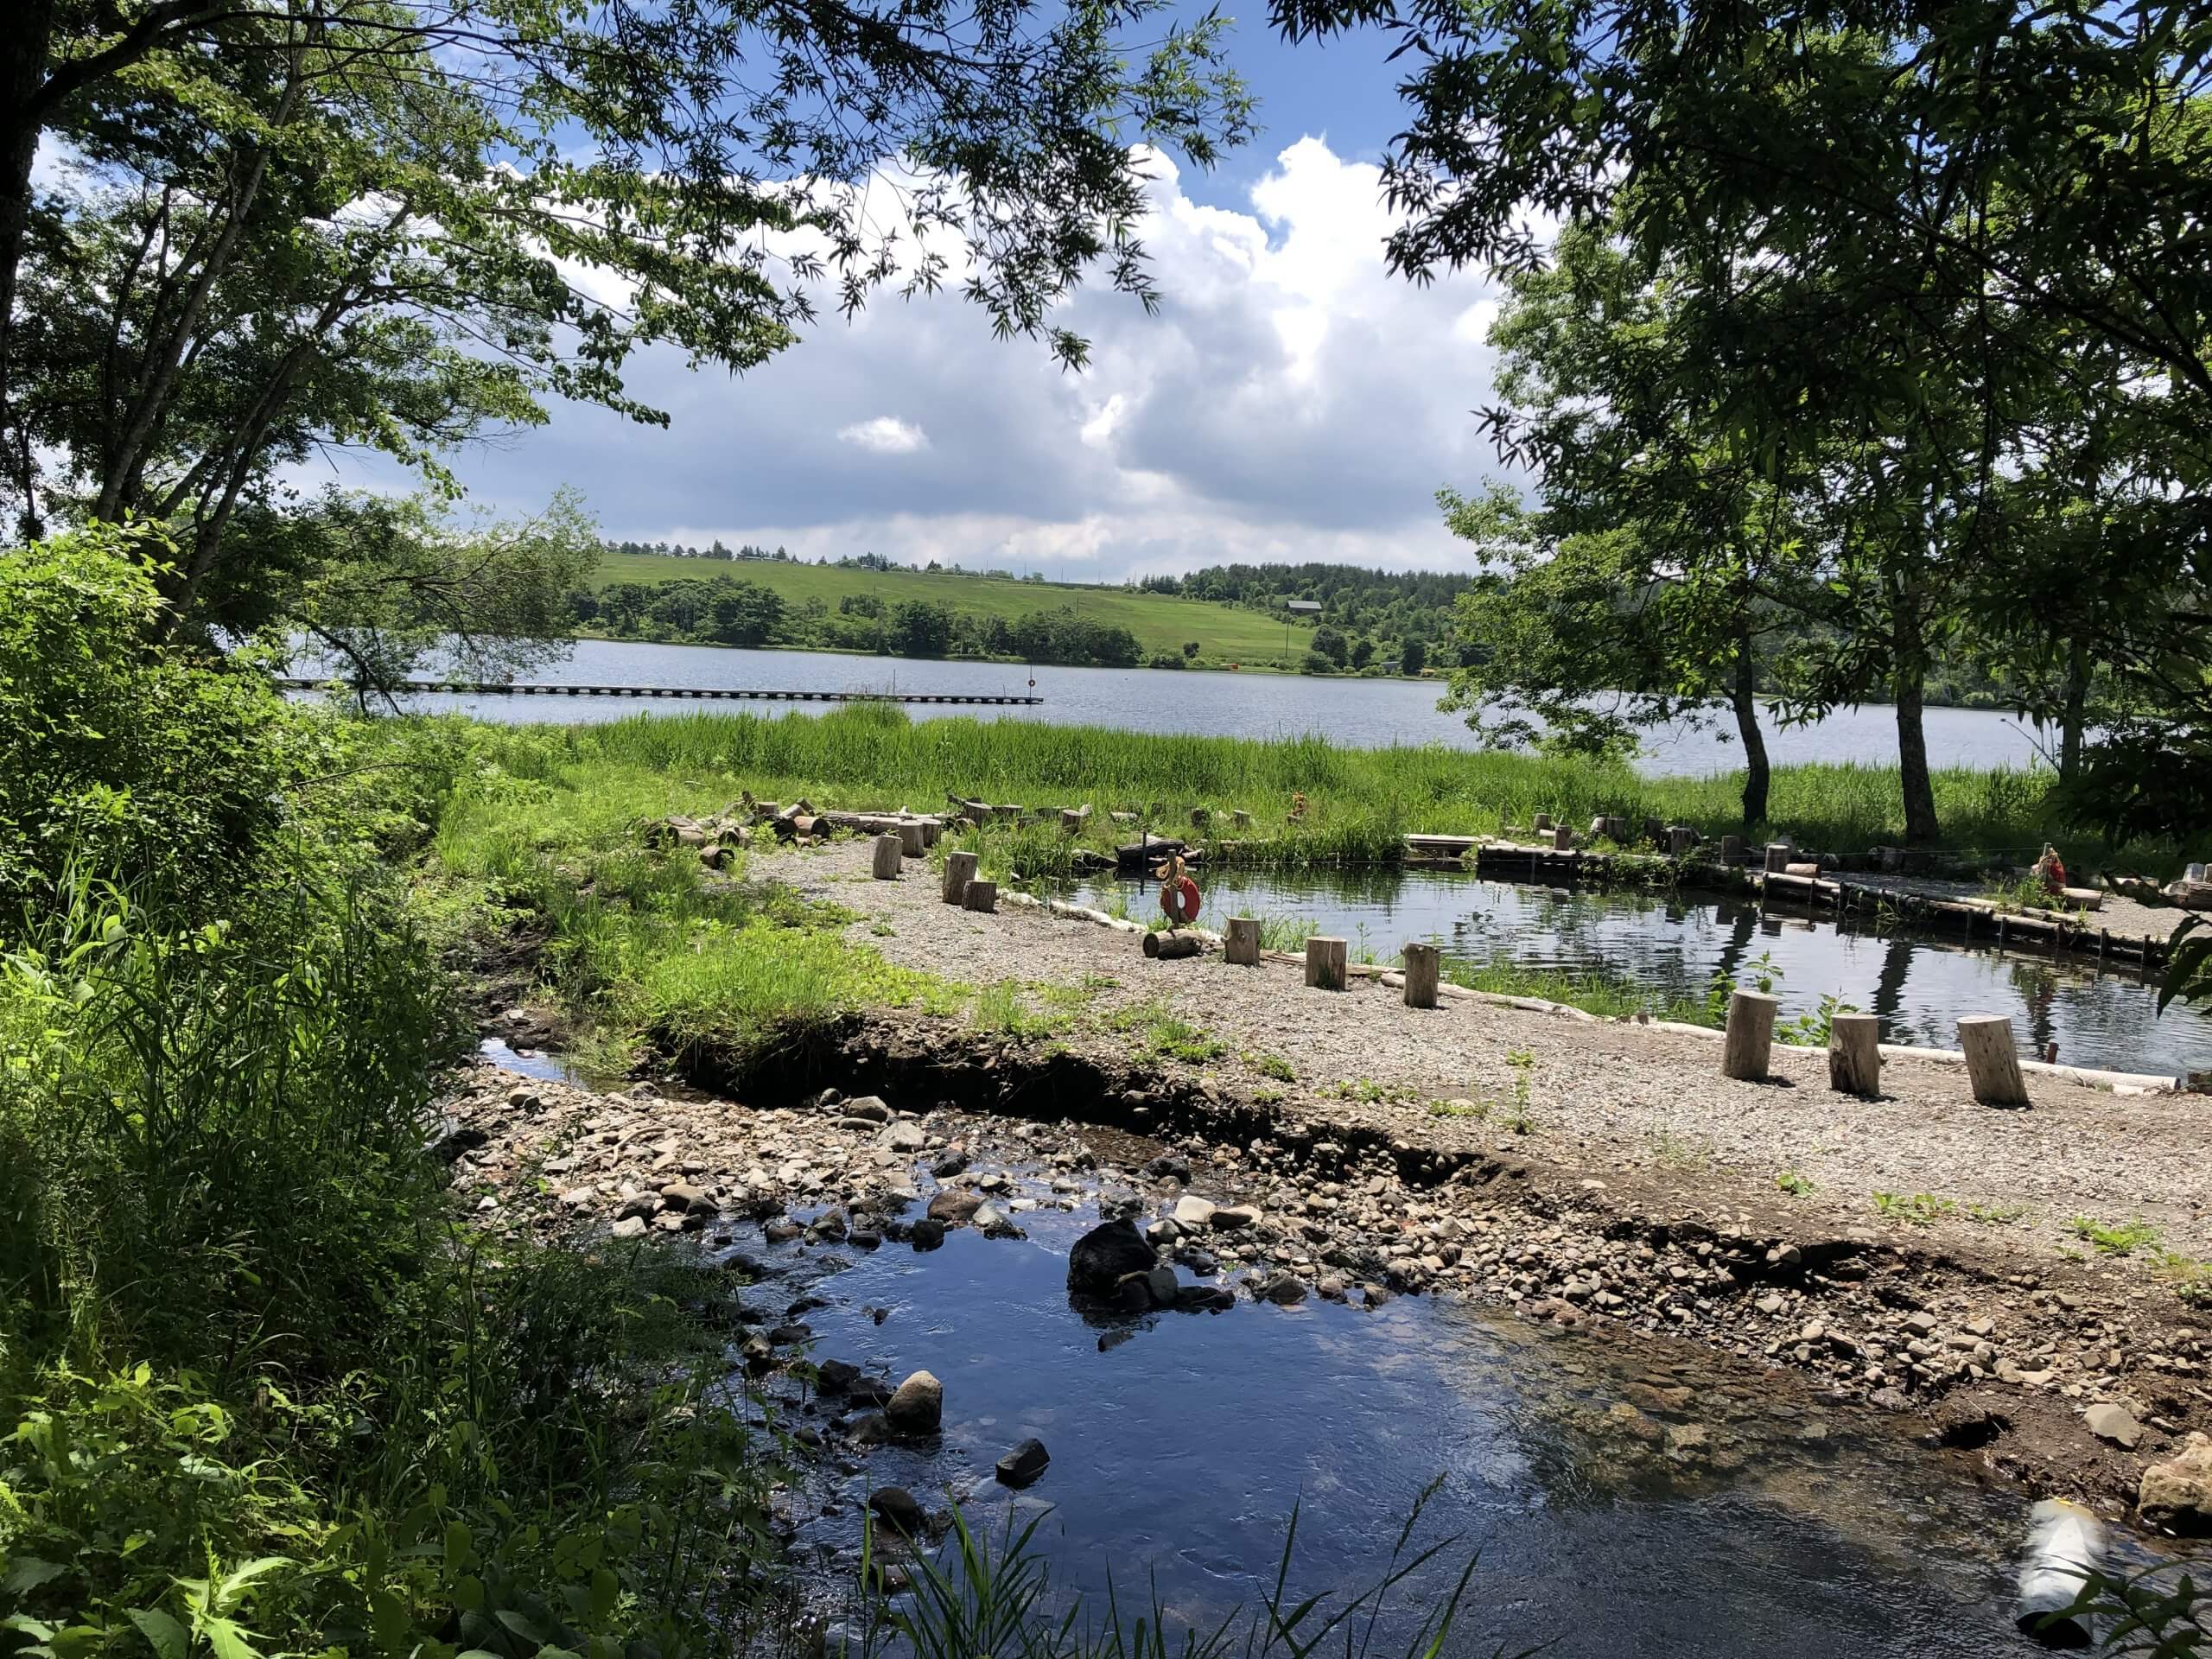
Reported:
(902, 1136)
(2177, 1496)
(897, 1508)
(629, 1227)
(692, 1200)
(870, 1107)
(1233, 1218)
(1169, 1166)
(642, 1207)
(837, 1376)
(2114, 1424)
(1283, 1289)
(950, 1164)
(1023, 1463)
(1191, 1214)
(1161, 1282)
(1104, 1256)
(917, 1405)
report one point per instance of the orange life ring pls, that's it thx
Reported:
(1179, 899)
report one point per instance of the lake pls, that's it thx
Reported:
(1358, 714)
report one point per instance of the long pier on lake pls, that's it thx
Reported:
(505, 687)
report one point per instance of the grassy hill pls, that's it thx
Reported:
(1162, 623)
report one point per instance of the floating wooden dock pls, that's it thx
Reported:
(1510, 860)
(501, 687)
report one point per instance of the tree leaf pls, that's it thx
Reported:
(164, 1633)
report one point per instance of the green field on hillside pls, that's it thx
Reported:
(1162, 623)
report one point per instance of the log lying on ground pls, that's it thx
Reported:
(1171, 947)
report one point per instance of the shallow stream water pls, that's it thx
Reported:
(1622, 1494)
(1672, 944)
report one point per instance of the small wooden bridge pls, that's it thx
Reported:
(503, 689)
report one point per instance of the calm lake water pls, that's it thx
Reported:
(1360, 713)
(1767, 1524)
(1917, 984)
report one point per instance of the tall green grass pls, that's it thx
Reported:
(1359, 803)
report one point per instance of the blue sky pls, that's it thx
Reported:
(1290, 401)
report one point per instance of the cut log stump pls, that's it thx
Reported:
(959, 871)
(888, 851)
(981, 895)
(1750, 1037)
(1992, 1062)
(1855, 1054)
(1241, 944)
(913, 840)
(1324, 963)
(1421, 965)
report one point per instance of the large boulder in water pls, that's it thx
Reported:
(1104, 1255)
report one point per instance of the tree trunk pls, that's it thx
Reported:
(2079, 669)
(1757, 773)
(24, 46)
(1920, 826)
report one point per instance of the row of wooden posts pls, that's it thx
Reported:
(1854, 1040)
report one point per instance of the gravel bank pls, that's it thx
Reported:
(1608, 1101)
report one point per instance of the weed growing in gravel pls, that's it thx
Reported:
(2115, 1238)
(1272, 1065)
(1368, 1090)
(1523, 1061)
(1267, 1096)
(2192, 1278)
(1996, 1215)
(1461, 1107)
(1920, 1210)
(1168, 1037)
(1001, 1009)
(1672, 1151)
(1793, 1184)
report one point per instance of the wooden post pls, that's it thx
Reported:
(930, 829)
(1171, 946)
(1679, 840)
(1750, 1034)
(1200, 818)
(1732, 850)
(1778, 857)
(1420, 962)
(959, 871)
(981, 895)
(887, 852)
(1070, 823)
(1991, 1062)
(1655, 833)
(1855, 1054)
(1324, 963)
(1242, 943)
(1240, 819)
(912, 843)
(1562, 839)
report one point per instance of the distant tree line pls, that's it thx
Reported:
(727, 610)
(1368, 618)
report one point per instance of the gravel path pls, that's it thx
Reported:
(1607, 1098)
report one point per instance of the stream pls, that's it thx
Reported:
(1673, 943)
(1620, 1494)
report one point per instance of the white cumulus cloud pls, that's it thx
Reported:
(1291, 400)
(886, 435)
